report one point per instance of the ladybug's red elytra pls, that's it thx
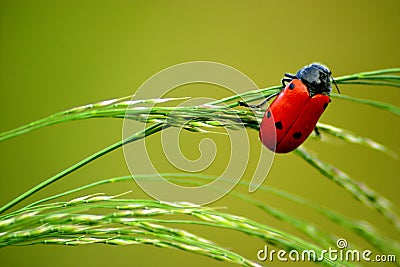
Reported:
(294, 113)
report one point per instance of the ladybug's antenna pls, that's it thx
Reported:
(337, 87)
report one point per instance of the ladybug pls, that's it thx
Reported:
(294, 113)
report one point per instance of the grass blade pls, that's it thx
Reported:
(357, 189)
(353, 138)
(377, 104)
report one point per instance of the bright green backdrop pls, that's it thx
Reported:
(58, 54)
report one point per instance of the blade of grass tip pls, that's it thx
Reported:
(139, 135)
(353, 138)
(372, 78)
(357, 189)
(394, 78)
(376, 83)
(56, 118)
(377, 104)
(99, 109)
(28, 128)
(361, 75)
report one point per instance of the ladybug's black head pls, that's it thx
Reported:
(317, 78)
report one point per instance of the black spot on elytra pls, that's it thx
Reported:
(268, 114)
(291, 86)
(297, 135)
(325, 105)
(278, 125)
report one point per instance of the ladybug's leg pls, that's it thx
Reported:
(337, 87)
(317, 132)
(244, 104)
(285, 80)
(289, 78)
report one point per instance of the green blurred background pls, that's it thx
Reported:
(58, 54)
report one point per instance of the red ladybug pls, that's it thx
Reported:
(294, 113)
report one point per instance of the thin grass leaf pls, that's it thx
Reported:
(378, 74)
(375, 83)
(353, 138)
(357, 189)
(377, 104)
(383, 77)
(107, 108)
(374, 78)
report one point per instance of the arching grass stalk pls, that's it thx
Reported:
(115, 108)
(361, 228)
(139, 135)
(70, 223)
(357, 189)
(64, 224)
(377, 104)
